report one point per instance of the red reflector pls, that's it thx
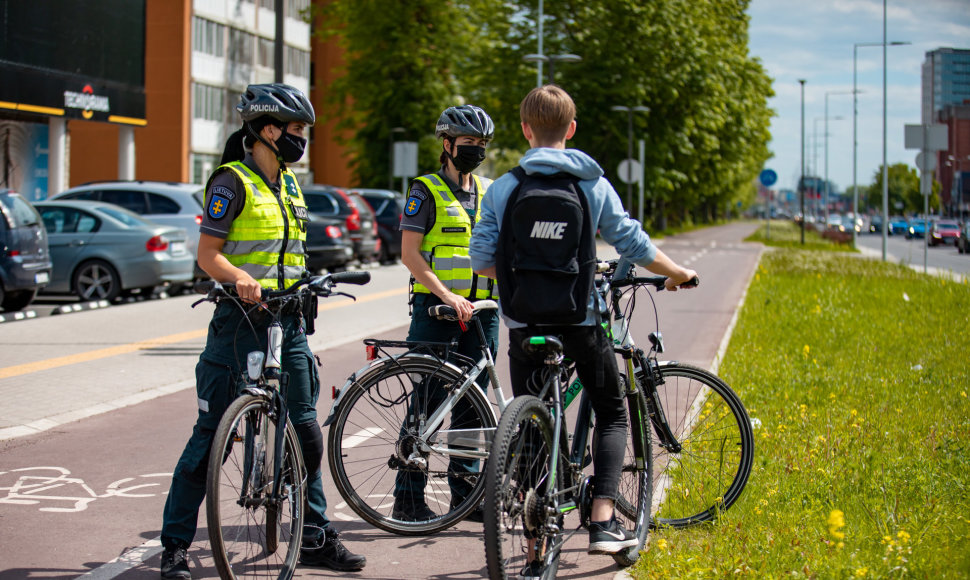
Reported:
(333, 232)
(334, 392)
(157, 244)
(371, 352)
(13, 252)
(198, 220)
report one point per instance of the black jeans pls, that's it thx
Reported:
(596, 366)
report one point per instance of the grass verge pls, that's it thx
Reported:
(787, 234)
(858, 373)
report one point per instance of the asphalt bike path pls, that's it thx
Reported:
(83, 498)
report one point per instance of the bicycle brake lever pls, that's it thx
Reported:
(354, 298)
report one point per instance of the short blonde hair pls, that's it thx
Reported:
(548, 110)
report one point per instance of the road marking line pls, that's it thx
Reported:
(127, 561)
(51, 363)
(361, 436)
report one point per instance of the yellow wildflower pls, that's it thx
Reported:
(836, 522)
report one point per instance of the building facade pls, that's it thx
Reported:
(946, 100)
(197, 57)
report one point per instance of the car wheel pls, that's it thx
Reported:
(13, 301)
(96, 280)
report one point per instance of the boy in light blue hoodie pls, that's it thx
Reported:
(548, 121)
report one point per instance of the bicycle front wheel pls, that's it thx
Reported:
(255, 529)
(716, 445)
(516, 478)
(388, 472)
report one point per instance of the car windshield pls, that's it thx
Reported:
(947, 226)
(126, 217)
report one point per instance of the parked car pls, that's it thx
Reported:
(875, 224)
(944, 232)
(328, 244)
(163, 202)
(963, 242)
(101, 251)
(388, 206)
(834, 222)
(917, 229)
(25, 262)
(330, 201)
(898, 225)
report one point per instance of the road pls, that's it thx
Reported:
(910, 252)
(98, 404)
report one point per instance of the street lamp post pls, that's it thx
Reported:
(629, 148)
(825, 203)
(855, 115)
(801, 179)
(825, 149)
(552, 59)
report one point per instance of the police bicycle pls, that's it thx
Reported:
(256, 484)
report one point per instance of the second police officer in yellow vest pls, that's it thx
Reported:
(436, 226)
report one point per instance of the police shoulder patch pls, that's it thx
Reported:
(218, 206)
(223, 191)
(412, 205)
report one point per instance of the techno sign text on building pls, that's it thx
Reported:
(87, 101)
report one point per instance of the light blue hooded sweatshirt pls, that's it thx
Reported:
(614, 223)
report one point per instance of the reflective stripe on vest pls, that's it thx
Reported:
(445, 246)
(255, 243)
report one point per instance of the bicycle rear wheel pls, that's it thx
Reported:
(633, 503)
(373, 437)
(253, 533)
(516, 476)
(709, 422)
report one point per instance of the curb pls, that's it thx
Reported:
(80, 307)
(15, 316)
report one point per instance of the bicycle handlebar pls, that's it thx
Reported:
(657, 282)
(318, 285)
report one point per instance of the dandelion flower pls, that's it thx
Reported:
(836, 522)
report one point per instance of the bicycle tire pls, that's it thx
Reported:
(634, 499)
(366, 442)
(251, 537)
(519, 455)
(708, 419)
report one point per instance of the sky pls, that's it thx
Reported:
(813, 40)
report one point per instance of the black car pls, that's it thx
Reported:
(25, 260)
(329, 201)
(388, 206)
(328, 244)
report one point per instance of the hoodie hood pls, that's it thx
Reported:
(546, 161)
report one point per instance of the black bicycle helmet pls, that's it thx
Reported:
(281, 102)
(465, 120)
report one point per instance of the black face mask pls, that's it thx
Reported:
(291, 147)
(468, 158)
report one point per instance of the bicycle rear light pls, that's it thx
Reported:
(371, 352)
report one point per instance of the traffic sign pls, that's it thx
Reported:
(926, 163)
(628, 167)
(768, 177)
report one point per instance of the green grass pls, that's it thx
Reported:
(858, 372)
(787, 234)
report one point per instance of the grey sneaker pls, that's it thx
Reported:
(175, 564)
(609, 537)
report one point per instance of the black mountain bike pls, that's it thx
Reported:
(256, 485)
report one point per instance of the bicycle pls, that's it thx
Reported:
(255, 487)
(419, 414)
(704, 447)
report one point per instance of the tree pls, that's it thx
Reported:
(904, 192)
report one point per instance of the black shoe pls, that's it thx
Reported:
(476, 515)
(609, 537)
(532, 571)
(411, 510)
(329, 552)
(175, 564)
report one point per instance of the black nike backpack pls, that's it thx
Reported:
(546, 253)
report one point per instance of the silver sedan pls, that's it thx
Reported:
(102, 251)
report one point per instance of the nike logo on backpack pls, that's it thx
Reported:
(548, 230)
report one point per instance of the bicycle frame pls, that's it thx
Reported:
(464, 443)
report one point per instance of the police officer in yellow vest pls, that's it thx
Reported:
(439, 214)
(253, 235)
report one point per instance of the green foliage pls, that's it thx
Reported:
(706, 132)
(856, 372)
(903, 191)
